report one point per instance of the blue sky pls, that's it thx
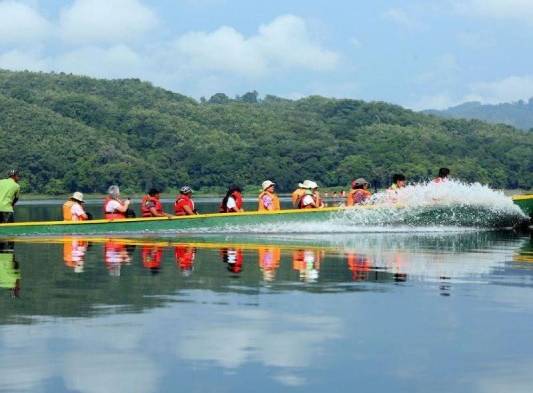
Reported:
(419, 54)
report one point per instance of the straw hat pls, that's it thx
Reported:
(266, 184)
(78, 196)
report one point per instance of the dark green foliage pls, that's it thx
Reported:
(71, 133)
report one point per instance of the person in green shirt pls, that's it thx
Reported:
(9, 195)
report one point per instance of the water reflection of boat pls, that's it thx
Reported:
(367, 257)
(9, 269)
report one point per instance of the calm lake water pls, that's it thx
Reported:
(371, 312)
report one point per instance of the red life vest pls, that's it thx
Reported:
(145, 209)
(151, 257)
(181, 201)
(237, 196)
(115, 214)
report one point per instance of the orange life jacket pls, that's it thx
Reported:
(67, 213)
(145, 209)
(296, 196)
(114, 214)
(357, 196)
(275, 201)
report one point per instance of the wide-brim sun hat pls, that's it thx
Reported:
(78, 196)
(306, 184)
(266, 184)
(312, 184)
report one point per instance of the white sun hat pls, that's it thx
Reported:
(266, 184)
(78, 196)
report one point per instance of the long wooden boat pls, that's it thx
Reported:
(220, 221)
(525, 202)
(289, 219)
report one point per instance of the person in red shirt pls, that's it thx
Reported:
(184, 205)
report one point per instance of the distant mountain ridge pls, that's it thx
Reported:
(517, 114)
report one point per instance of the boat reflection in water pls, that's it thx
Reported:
(9, 269)
(323, 260)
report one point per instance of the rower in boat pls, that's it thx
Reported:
(232, 202)
(398, 182)
(359, 193)
(311, 199)
(184, 205)
(151, 205)
(442, 176)
(114, 206)
(299, 193)
(9, 195)
(268, 199)
(73, 209)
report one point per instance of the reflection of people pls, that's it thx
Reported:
(307, 263)
(360, 265)
(269, 258)
(116, 254)
(74, 251)
(233, 257)
(73, 209)
(9, 269)
(185, 256)
(9, 195)
(151, 257)
(114, 207)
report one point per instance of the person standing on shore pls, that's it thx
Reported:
(9, 195)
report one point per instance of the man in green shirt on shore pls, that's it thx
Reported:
(9, 195)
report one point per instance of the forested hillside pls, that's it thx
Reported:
(69, 133)
(517, 114)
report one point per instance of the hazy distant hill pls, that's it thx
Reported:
(517, 114)
(68, 132)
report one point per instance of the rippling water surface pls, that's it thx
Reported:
(439, 311)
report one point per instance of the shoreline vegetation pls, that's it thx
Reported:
(69, 133)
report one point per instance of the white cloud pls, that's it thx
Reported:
(105, 21)
(17, 60)
(512, 88)
(118, 61)
(283, 43)
(402, 19)
(497, 9)
(20, 23)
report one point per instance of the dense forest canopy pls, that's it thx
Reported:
(69, 133)
(517, 114)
